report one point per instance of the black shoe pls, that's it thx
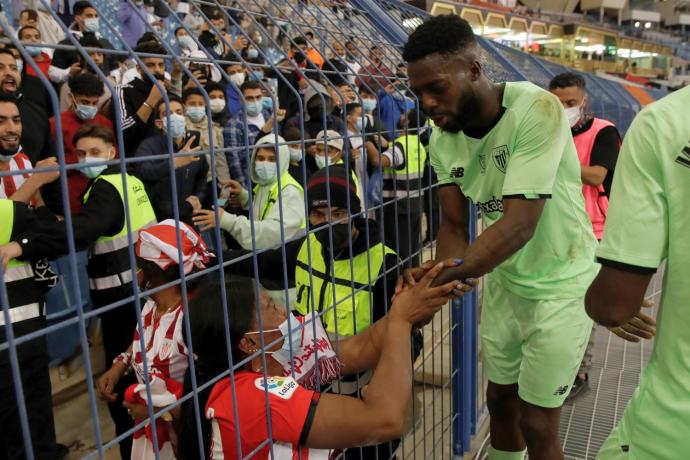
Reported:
(579, 385)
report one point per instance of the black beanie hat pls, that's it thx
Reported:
(333, 178)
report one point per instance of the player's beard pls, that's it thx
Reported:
(466, 109)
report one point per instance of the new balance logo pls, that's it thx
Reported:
(457, 173)
(684, 157)
(560, 391)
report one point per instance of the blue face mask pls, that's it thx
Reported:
(359, 125)
(91, 24)
(254, 108)
(186, 41)
(252, 53)
(86, 112)
(265, 171)
(267, 103)
(93, 171)
(178, 127)
(368, 105)
(257, 75)
(33, 50)
(196, 114)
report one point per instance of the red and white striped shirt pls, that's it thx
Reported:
(167, 358)
(10, 184)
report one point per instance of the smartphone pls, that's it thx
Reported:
(192, 134)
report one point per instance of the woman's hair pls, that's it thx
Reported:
(207, 325)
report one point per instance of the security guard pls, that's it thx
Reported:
(18, 226)
(403, 168)
(101, 226)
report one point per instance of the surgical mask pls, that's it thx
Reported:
(257, 75)
(252, 53)
(196, 114)
(93, 171)
(254, 108)
(86, 112)
(267, 103)
(217, 105)
(295, 153)
(368, 105)
(157, 29)
(573, 114)
(265, 171)
(20, 65)
(33, 50)
(321, 161)
(290, 341)
(91, 24)
(359, 124)
(237, 78)
(186, 41)
(342, 235)
(177, 125)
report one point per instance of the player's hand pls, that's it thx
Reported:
(48, 176)
(641, 326)
(8, 252)
(411, 276)
(419, 303)
(205, 219)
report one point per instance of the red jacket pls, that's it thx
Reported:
(76, 181)
(44, 65)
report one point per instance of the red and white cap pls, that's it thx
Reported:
(158, 244)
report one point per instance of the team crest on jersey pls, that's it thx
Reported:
(500, 156)
(282, 387)
(166, 349)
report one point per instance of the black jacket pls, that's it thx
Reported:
(35, 110)
(63, 58)
(130, 98)
(191, 179)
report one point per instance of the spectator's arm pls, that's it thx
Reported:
(150, 170)
(222, 170)
(201, 178)
(267, 231)
(58, 75)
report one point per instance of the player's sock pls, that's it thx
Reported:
(495, 454)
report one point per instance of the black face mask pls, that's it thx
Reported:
(300, 57)
(342, 235)
(159, 76)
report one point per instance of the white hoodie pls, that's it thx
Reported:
(267, 231)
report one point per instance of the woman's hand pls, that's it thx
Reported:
(138, 412)
(418, 303)
(106, 382)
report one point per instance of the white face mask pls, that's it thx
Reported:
(573, 114)
(217, 105)
(237, 78)
(295, 153)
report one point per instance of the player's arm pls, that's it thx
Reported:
(636, 237)
(593, 175)
(498, 242)
(453, 233)
(607, 303)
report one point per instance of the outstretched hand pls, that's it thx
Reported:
(418, 303)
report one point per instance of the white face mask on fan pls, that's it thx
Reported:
(574, 114)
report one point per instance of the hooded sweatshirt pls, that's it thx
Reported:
(267, 223)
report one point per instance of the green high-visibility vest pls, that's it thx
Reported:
(351, 312)
(6, 225)
(111, 251)
(408, 179)
(286, 180)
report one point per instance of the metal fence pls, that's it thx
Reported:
(277, 22)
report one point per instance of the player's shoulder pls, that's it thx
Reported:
(525, 97)
(667, 109)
